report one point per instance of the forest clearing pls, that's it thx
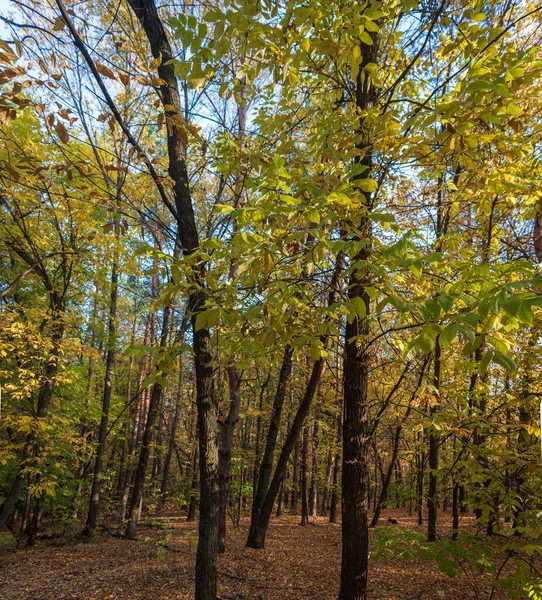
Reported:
(270, 299)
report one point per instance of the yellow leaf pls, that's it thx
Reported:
(59, 24)
(156, 62)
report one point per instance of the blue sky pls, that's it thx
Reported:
(4, 9)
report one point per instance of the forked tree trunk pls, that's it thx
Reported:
(257, 535)
(395, 450)
(266, 466)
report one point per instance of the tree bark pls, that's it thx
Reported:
(206, 399)
(356, 432)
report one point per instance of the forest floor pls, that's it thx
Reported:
(298, 563)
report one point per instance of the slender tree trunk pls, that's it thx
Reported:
(154, 404)
(193, 503)
(183, 210)
(173, 432)
(395, 450)
(305, 478)
(266, 466)
(295, 479)
(106, 400)
(313, 498)
(257, 537)
(224, 456)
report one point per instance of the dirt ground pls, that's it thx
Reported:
(298, 563)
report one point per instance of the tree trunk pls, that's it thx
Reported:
(206, 399)
(193, 503)
(106, 400)
(224, 456)
(146, 442)
(257, 536)
(313, 498)
(395, 450)
(173, 431)
(295, 479)
(356, 431)
(266, 466)
(305, 478)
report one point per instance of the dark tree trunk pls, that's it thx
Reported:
(356, 430)
(173, 431)
(355, 474)
(395, 450)
(313, 497)
(193, 503)
(305, 479)
(295, 479)
(183, 210)
(106, 401)
(146, 442)
(256, 538)
(224, 456)
(266, 466)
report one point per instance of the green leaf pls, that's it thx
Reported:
(525, 314)
(484, 363)
(356, 308)
(416, 267)
(505, 361)
(471, 347)
(433, 308)
(366, 38)
(313, 215)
